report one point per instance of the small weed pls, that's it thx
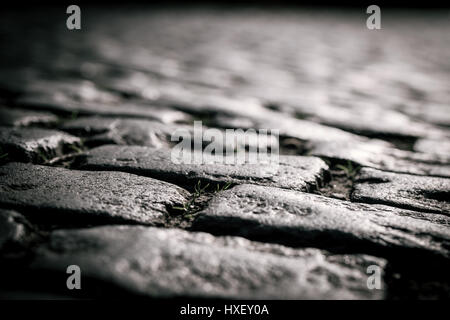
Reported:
(198, 189)
(185, 206)
(74, 115)
(301, 116)
(3, 156)
(41, 156)
(224, 187)
(74, 148)
(190, 207)
(349, 169)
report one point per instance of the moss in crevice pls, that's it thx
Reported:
(182, 215)
(340, 179)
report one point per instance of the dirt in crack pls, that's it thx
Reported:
(339, 180)
(182, 215)
(69, 158)
(293, 146)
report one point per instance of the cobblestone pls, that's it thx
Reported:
(34, 144)
(86, 124)
(297, 173)
(384, 157)
(23, 118)
(429, 194)
(300, 219)
(64, 195)
(174, 263)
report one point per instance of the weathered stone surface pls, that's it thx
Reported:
(249, 113)
(365, 118)
(439, 147)
(33, 144)
(302, 219)
(20, 117)
(61, 103)
(170, 263)
(13, 228)
(204, 101)
(383, 157)
(429, 194)
(246, 112)
(298, 173)
(126, 131)
(82, 196)
(437, 113)
(106, 130)
(288, 127)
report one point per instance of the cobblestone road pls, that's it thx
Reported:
(86, 176)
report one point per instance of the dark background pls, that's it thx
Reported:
(240, 3)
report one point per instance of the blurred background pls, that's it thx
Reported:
(316, 62)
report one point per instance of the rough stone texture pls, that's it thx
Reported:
(246, 113)
(170, 263)
(83, 97)
(67, 106)
(434, 146)
(364, 118)
(22, 118)
(123, 131)
(436, 113)
(383, 157)
(105, 130)
(34, 144)
(303, 219)
(13, 228)
(298, 173)
(291, 127)
(75, 196)
(428, 194)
